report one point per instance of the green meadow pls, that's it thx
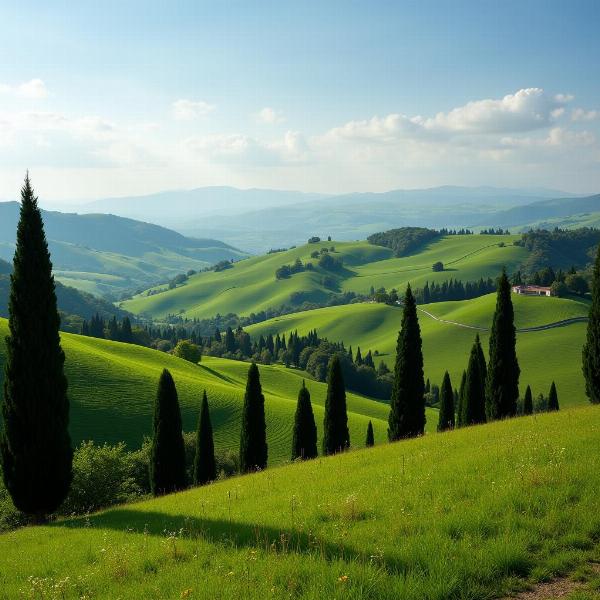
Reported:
(250, 285)
(543, 355)
(112, 387)
(467, 515)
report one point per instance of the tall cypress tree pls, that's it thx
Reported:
(304, 438)
(205, 468)
(553, 398)
(473, 405)
(35, 445)
(253, 439)
(370, 440)
(502, 386)
(407, 405)
(591, 349)
(528, 402)
(336, 436)
(167, 456)
(446, 416)
(460, 404)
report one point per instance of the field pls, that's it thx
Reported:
(466, 515)
(112, 388)
(544, 355)
(250, 285)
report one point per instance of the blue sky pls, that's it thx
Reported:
(119, 98)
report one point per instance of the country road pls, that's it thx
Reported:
(562, 323)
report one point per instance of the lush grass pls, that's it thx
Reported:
(112, 388)
(250, 286)
(464, 515)
(543, 355)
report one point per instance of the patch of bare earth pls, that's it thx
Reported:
(557, 588)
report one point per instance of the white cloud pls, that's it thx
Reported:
(270, 116)
(34, 89)
(579, 114)
(186, 110)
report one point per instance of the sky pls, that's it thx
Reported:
(124, 98)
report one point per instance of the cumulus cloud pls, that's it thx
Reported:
(579, 114)
(270, 116)
(34, 89)
(186, 110)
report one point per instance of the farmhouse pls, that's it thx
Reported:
(532, 290)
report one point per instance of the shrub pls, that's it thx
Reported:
(437, 267)
(188, 351)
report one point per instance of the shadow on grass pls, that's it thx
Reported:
(230, 534)
(218, 374)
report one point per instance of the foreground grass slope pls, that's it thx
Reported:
(464, 515)
(112, 387)
(543, 355)
(250, 285)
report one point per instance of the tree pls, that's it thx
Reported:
(304, 439)
(460, 400)
(205, 469)
(577, 284)
(35, 445)
(553, 398)
(473, 404)
(370, 440)
(528, 402)
(407, 404)
(188, 351)
(126, 331)
(502, 387)
(446, 416)
(167, 455)
(336, 436)
(253, 440)
(591, 349)
(437, 266)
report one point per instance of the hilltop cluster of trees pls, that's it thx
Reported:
(113, 329)
(461, 231)
(496, 231)
(285, 271)
(560, 247)
(403, 240)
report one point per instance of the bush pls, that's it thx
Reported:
(437, 266)
(330, 263)
(188, 351)
(102, 476)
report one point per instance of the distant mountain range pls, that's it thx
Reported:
(107, 254)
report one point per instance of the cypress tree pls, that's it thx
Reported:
(553, 398)
(167, 456)
(304, 439)
(446, 416)
(528, 402)
(35, 445)
(460, 402)
(473, 405)
(407, 405)
(205, 468)
(370, 441)
(502, 386)
(591, 349)
(336, 436)
(253, 439)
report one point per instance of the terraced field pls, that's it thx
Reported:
(543, 355)
(112, 388)
(250, 285)
(465, 515)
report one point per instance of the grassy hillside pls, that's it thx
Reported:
(466, 515)
(112, 388)
(106, 254)
(251, 286)
(543, 355)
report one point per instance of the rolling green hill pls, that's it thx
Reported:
(543, 355)
(250, 285)
(106, 254)
(466, 515)
(112, 388)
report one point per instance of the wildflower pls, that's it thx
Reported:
(343, 578)
(186, 593)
